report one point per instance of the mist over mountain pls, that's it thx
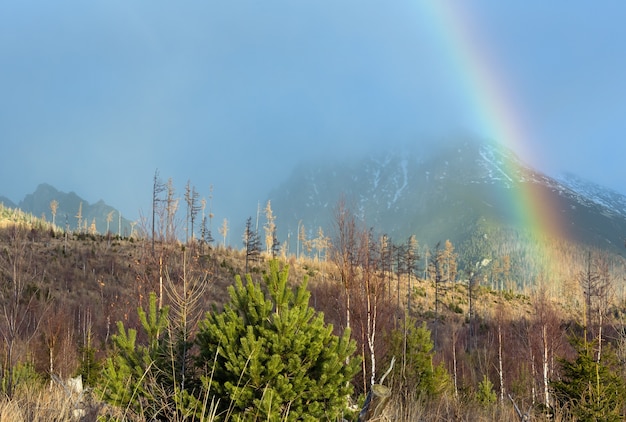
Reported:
(451, 191)
(462, 191)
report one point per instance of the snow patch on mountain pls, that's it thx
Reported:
(487, 154)
(404, 166)
(590, 193)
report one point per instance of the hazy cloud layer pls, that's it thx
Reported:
(97, 95)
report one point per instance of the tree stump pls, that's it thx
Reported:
(375, 403)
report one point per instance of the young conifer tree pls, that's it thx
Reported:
(271, 357)
(128, 376)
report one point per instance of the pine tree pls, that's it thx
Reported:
(133, 377)
(591, 390)
(416, 375)
(271, 357)
(251, 242)
(485, 394)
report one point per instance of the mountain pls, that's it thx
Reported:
(7, 202)
(452, 191)
(38, 203)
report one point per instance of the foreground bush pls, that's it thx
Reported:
(269, 356)
(589, 389)
(266, 356)
(415, 376)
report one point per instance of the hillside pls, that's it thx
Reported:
(462, 192)
(82, 284)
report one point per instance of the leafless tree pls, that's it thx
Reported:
(224, 230)
(321, 244)
(171, 207)
(19, 314)
(54, 206)
(193, 207)
(79, 217)
(269, 228)
(345, 253)
(157, 189)
(597, 284)
(547, 329)
(186, 298)
(411, 259)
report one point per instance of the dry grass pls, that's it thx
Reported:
(42, 404)
(106, 279)
(39, 403)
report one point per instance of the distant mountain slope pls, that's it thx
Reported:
(445, 192)
(7, 202)
(38, 204)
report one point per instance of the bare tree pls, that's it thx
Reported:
(546, 327)
(224, 230)
(435, 272)
(321, 244)
(205, 233)
(345, 250)
(186, 299)
(171, 207)
(210, 214)
(19, 319)
(109, 219)
(191, 198)
(269, 228)
(604, 297)
(302, 238)
(157, 189)
(386, 258)
(79, 217)
(372, 287)
(597, 284)
(54, 206)
(473, 281)
(400, 267)
(411, 259)
(449, 262)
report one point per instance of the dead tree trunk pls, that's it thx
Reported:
(377, 399)
(375, 403)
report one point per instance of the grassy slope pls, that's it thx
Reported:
(96, 280)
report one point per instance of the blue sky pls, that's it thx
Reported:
(94, 96)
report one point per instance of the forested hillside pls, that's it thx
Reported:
(147, 315)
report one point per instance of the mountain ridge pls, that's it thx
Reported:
(448, 192)
(38, 203)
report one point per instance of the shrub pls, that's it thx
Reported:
(269, 356)
(415, 374)
(485, 394)
(591, 390)
(133, 377)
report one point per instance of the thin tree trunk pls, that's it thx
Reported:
(546, 391)
(533, 390)
(456, 389)
(371, 334)
(500, 371)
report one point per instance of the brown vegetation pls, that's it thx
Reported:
(64, 292)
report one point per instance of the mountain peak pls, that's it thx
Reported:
(442, 193)
(39, 204)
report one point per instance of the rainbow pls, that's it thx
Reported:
(497, 114)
